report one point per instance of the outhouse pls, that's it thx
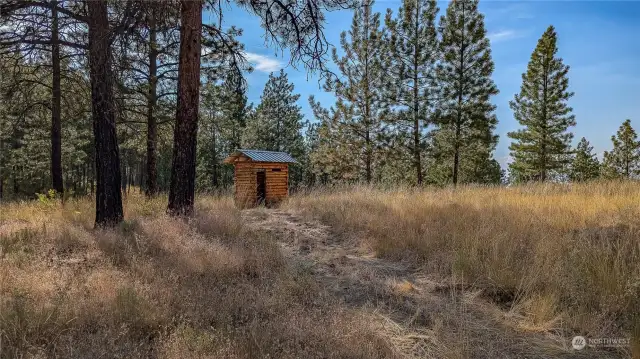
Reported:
(260, 177)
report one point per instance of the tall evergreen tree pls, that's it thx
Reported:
(109, 210)
(623, 161)
(359, 88)
(277, 122)
(413, 51)
(541, 107)
(585, 165)
(183, 169)
(332, 156)
(466, 123)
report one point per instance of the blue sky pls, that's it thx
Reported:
(599, 40)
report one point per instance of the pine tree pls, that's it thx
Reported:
(277, 122)
(413, 51)
(42, 31)
(183, 169)
(585, 165)
(222, 121)
(109, 210)
(332, 156)
(541, 107)
(623, 161)
(466, 122)
(359, 109)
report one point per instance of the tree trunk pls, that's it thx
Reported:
(152, 184)
(368, 156)
(416, 110)
(543, 172)
(123, 172)
(131, 178)
(92, 185)
(214, 154)
(368, 159)
(75, 179)
(56, 126)
(141, 175)
(456, 161)
(16, 188)
(456, 145)
(183, 169)
(108, 197)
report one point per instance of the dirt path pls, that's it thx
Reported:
(420, 317)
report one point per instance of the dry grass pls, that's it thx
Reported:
(556, 258)
(163, 288)
(547, 260)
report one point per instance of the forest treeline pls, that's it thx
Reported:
(100, 96)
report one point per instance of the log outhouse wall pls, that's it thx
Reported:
(276, 178)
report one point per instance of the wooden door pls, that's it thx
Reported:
(261, 190)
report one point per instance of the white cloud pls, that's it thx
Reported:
(502, 35)
(263, 63)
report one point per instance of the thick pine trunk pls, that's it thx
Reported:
(56, 125)
(152, 184)
(183, 169)
(108, 196)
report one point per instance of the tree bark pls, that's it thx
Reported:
(107, 158)
(214, 154)
(131, 178)
(152, 132)
(543, 172)
(456, 145)
(368, 158)
(183, 169)
(56, 125)
(416, 103)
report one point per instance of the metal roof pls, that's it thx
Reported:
(261, 156)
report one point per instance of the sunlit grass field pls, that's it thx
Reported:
(558, 257)
(561, 259)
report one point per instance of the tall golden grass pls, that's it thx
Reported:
(556, 257)
(159, 287)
